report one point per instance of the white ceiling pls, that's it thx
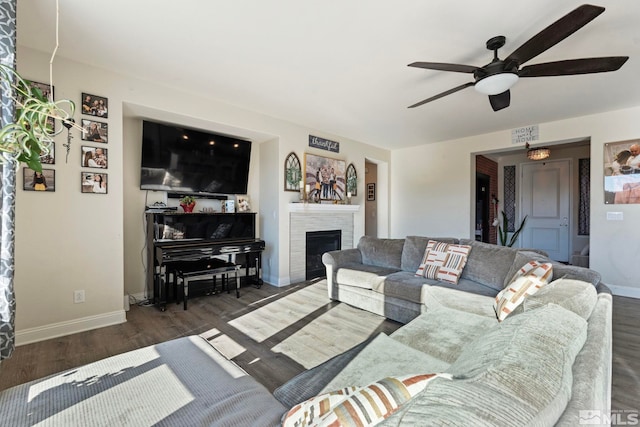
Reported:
(341, 66)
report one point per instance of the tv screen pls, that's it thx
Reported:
(185, 160)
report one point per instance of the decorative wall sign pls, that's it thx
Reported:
(94, 182)
(325, 177)
(94, 105)
(525, 135)
(292, 173)
(324, 144)
(622, 172)
(38, 181)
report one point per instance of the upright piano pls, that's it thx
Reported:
(177, 238)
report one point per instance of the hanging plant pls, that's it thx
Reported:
(30, 136)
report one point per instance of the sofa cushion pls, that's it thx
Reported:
(413, 250)
(559, 270)
(381, 252)
(519, 372)
(442, 333)
(574, 295)
(357, 406)
(488, 264)
(363, 275)
(443, 261)
(181, 382)
(527, 281)
(404, 285)
(434, 297)
(384, 357)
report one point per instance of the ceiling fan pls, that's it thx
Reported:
(496, 78)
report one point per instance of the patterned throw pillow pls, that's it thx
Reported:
(358, 406)
(443, 261)
(531, 277)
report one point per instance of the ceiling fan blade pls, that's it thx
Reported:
(441, 66)
(574, 66)
(555, 33)
(443, 94)
(500, 101)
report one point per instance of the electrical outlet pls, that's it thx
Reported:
(78, 296)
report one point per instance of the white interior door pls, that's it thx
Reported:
(545, 199)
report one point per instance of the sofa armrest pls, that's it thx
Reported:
(576, 273)
(342, 257)
(333, 261)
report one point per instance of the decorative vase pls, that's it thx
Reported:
(189, 207)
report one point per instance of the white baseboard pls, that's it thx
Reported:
(624, 291)
(55, 330)
(276, 281)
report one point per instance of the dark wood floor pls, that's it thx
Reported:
(275, 333)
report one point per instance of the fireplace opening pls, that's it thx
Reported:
(319, 242)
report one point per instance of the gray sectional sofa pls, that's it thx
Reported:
(548, 363)
(379, 274)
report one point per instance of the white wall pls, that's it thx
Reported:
(431, 191)
(67, 240)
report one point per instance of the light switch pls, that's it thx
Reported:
(615, 216)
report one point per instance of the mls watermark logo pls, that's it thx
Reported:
(614, 418)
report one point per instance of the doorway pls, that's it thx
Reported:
(546, 198)
(483, 210)
(370, 197)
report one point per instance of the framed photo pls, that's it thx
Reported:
(325, 177)
(94, 157)
(93, 182)
(50, 157)
(38, 181)
(94, 105)
(95, 131)
(47, 92)
(622, 172)
(242, 203)
(371, 192)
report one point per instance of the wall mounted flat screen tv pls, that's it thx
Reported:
(184, 160)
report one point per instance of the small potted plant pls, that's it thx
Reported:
(188, 203)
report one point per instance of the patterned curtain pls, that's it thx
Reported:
(7, 202)
(585, 196)
(509, 203)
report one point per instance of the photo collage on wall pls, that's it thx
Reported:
(94, 131)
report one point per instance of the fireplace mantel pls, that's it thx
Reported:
(322, 207)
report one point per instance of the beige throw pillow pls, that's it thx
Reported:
(531, 277)
(443, 261)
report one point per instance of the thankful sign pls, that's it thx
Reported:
(324, 144)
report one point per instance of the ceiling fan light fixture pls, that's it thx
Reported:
(496, 83)
(541, 153)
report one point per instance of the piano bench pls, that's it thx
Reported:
(217, 269)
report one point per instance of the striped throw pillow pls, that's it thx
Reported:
(443, 261)
(527, 281)
(358, 406)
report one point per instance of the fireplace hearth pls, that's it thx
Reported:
(317, 243)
